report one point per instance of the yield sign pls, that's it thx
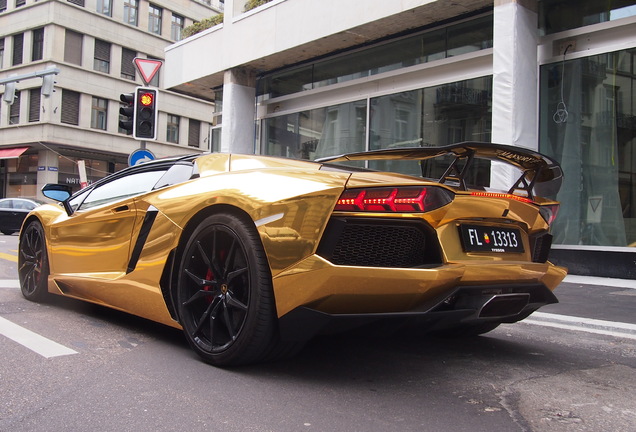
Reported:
(147, 68)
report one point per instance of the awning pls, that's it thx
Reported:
(11, 153)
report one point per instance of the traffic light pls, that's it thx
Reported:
(145, 119)
(127, 112)
(48, 85)
(9, 93)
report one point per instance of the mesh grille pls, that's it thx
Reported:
(380, 245)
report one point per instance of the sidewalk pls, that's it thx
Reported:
(600, 281)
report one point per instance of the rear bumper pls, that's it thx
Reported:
(318, 297)
(465, 305)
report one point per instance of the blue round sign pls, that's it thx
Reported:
(140, 156)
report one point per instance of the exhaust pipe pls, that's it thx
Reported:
(504, 305)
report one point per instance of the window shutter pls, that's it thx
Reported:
(73, 47)
(127, 65)
(18, 42)
(70, 107)
(102, 50)
(194, 133)
(14, 111)
(34, 105)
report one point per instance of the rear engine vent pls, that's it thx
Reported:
(379, 243)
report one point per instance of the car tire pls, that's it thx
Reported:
(33, 263)
(224, 292)
(7, 232)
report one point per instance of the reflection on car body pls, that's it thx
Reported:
(252, 255)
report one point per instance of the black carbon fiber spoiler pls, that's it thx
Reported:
(539, 172)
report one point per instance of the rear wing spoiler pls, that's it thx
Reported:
(538, 172)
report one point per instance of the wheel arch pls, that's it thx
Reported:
(169, 278)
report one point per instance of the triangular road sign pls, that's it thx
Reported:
(147, 68)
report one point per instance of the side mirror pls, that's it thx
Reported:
(57, 192)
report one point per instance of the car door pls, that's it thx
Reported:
(95, 241)
(6, 212)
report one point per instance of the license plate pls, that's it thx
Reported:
(481, 238)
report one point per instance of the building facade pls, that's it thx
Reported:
(304, 79)
(92, 44)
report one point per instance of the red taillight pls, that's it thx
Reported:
(502, 195)
(549, 212)
(396, 199)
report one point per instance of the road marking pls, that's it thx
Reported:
(565, 322)
(33, 341)
(9, 283)
(601, 281)
(9, 257)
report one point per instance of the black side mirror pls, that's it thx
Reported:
(57, 192)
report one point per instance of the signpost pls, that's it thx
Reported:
(140, 156)
(147, 68)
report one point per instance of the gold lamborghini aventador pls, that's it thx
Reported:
(253, 255)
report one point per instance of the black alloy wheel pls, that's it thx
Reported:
(33, 262)
(224, 292)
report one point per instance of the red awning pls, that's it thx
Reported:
(10, 153)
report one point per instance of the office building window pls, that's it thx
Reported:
(127, 65)
(3, 5)
(19, 3)
(70, 107)
(1, 52)
(14, 110)
(18, 41)
(73, 47)
(104, 7)
(131, 10)
(429, 46)
(154, 19)
(176, 27)
(101, 62)
(37, 50)
(172, 132)
(77, 2)
(34, 104)
(557, 16)
(194, 133)
(99, 113)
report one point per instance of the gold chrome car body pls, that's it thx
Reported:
(124, 251)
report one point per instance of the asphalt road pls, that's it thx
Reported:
(569, 368)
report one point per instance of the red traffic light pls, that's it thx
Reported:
(146, 98)
(145, 123)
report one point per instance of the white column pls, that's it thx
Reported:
(239, 111)
(47, 170)
(515, 79)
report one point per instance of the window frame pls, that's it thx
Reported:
(99, 113)
(37, 44)
(155, 17)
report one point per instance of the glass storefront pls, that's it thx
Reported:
(315, 133)
(20, 174)
(588, 123)
(432, 116)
